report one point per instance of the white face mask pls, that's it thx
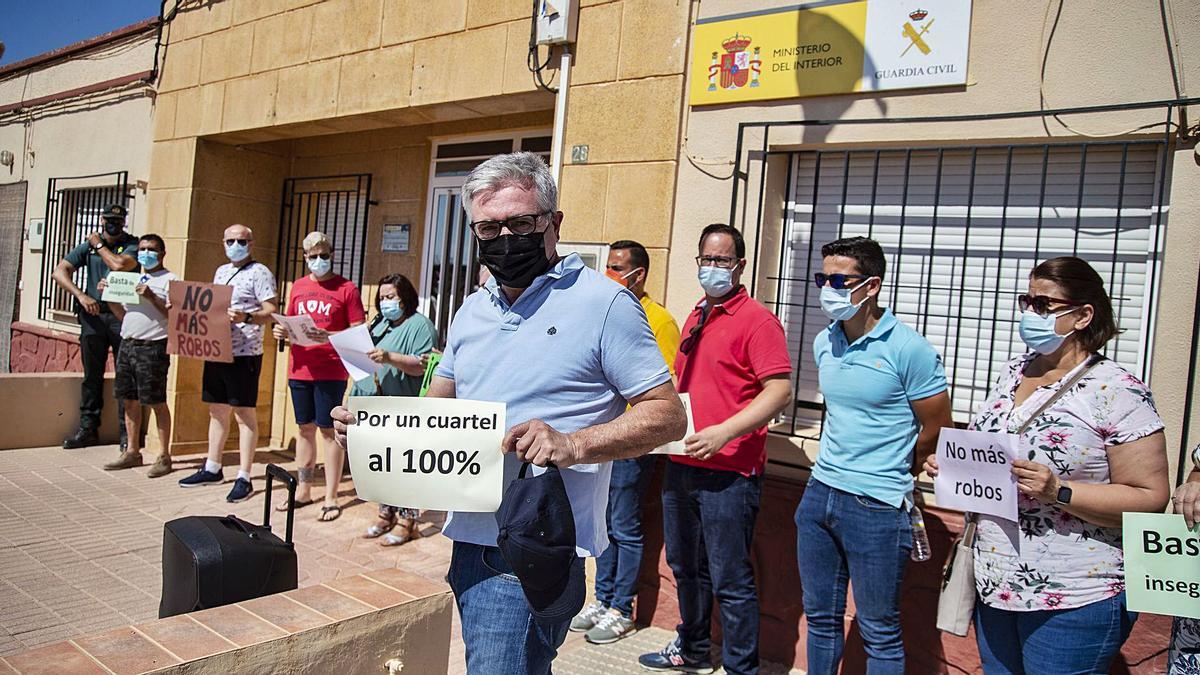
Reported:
(320, 266)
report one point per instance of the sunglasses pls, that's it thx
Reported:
(836, 281)
(1040, 304)
(231, 242)
(322, 256)
(689, 342)
(522, 224)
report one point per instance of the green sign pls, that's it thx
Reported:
(1162, 565)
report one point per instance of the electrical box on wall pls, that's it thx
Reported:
(556, 21)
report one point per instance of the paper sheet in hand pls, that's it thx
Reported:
(975, 472)
(352, 346)
(1162, 564)
(676, 447)
(121, 287)
(298, 329)
(427, 453)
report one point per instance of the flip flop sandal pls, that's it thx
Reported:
(335, 510)
(281, 507)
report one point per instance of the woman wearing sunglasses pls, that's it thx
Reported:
(402, 336)
(316, 377)
(1051, 586)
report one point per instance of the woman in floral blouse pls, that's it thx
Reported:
(1052, 585)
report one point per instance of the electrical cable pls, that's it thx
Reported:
(531, 58)
(1042, 81)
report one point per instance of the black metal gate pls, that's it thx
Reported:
(335, 205)
(73, 208)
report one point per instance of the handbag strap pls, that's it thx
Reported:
(969, 519)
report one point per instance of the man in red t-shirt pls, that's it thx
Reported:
(734, 363)
(316, 376)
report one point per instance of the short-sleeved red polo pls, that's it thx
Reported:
(740, 344)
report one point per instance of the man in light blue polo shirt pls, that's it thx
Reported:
(885, 402)
(565, 349)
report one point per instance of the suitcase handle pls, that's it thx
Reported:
(276, 471)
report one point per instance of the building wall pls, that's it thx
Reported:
(298, 87)
(97, 133)
(1099, 54)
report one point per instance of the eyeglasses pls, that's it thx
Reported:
(693, 337)
(1040, 304)
(231, 242)
(522, 224)
(837, 281)
(716, 261)
(322, 256)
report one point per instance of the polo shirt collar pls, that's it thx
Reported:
(884, 326)
(730, 306)
(569, 264)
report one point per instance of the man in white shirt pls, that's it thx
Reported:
(143, 362)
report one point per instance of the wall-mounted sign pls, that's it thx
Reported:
(395, 237)
(579, 154)
(830, 48)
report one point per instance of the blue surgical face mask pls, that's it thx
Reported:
(836, 304)
(390, 309)
(716, 281)
(148, 259)
(1037, 331)
(237, 252)
(320, 266)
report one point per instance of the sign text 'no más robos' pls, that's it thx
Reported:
(833, 48)
(198, 322)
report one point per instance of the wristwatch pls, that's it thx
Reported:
(99, 246)
(1064, 495)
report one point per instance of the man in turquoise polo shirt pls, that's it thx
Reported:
(885, 401)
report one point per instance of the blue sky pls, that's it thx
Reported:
(30, 27)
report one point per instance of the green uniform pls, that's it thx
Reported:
(415, 336)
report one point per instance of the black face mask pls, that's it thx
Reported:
(515, 259)
(114, 228)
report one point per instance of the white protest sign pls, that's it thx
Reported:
(676, 447)
(298, 328)
(427, 453)
(975, 472)
(352, 346)
(122, 287)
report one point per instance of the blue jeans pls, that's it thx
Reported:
(844, 537)
(617, 568)
(708, 525)
(1080, 641)
(500, 634)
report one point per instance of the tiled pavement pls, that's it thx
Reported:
(80, 549)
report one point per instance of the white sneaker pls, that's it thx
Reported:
(611, 627)
(586, 620)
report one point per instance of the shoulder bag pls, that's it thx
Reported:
(956, 603)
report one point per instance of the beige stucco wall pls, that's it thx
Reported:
(98, 133)
(1101, 53)
(267, 90)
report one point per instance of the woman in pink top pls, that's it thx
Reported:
(316, 377)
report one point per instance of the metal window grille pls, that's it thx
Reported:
(961, 228)
(335, 205)
(73, 208)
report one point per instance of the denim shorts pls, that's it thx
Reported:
(313, 400)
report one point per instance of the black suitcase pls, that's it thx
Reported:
(209, 561)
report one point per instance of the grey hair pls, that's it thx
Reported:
(523, 169)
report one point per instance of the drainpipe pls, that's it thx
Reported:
(560, 114)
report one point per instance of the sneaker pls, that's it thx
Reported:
(671, 659)
(161, 467)
(586, 620)
(82, 438)
(202, 477)
(612, 626)
(127, 460)
(242, 489)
